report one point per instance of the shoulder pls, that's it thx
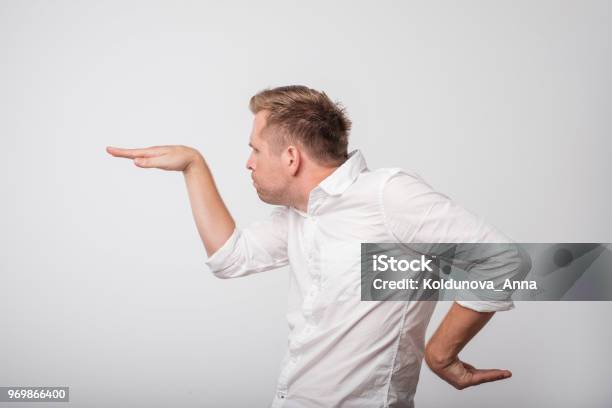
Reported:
(395, 180)
(384, 175)
(404, 190)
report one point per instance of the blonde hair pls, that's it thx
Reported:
(307, 116)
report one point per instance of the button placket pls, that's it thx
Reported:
(283, 381)
(300, 339)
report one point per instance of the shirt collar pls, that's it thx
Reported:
(345, 175)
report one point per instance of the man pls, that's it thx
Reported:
(342, 351)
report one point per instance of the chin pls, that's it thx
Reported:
(269, 199)
(266, 200)
(261, 196)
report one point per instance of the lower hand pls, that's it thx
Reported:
(176, 158)
(462, 375)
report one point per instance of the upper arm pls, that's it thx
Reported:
(416, 213)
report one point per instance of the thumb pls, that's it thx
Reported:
(145, 162)
(483, 376)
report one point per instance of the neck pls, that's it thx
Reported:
(306, 183)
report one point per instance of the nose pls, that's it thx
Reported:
(249, 163)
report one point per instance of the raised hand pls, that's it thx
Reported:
(173, 158)
(213, 220)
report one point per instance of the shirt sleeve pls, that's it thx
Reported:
(257, 248)
(415, 212)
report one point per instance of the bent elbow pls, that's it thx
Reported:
(524, 262)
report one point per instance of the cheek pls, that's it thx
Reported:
(273, 171)
(259, 162)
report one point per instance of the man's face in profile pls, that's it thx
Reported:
(270, 178)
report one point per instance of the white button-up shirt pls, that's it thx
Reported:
(344, 352)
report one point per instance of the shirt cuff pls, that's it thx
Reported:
(487, 306)
(219, 259)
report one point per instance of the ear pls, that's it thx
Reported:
(292, 159)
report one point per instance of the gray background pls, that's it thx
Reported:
(504, 106)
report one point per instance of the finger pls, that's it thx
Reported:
(133, 153)
(483, 376)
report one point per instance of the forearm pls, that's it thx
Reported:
(457, 328)
(212, 218)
